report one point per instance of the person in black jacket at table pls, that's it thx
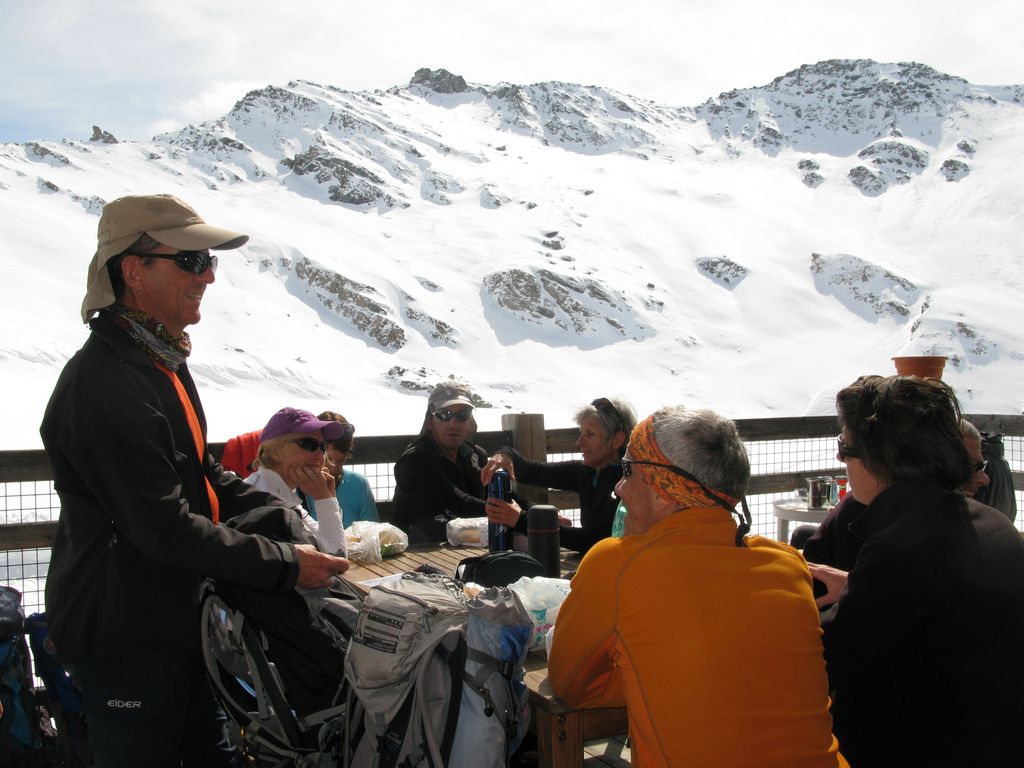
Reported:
(605, 425)
(437, 478)
(845, 528)
(922, 640)
(141, 497)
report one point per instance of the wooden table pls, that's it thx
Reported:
(560, 730)
(794, 510)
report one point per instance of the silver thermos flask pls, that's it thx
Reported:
(542, 532)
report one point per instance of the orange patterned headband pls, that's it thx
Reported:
(666, 480)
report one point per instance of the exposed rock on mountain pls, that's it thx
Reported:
(871, 182)
(812, 179)
(954, 169)
(865, 288)
(439, 80)
(895, 160)
(590, 311)
(438, 186)
(92, 203)
(553, 240)
(357, 303)
(346, 181)
(434, 330)
(836, 105)
(36, 151)
(491, 198)
(722, 270)
(106, 137)
(952, 335)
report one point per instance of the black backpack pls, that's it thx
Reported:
(498, 569)
(307, 636)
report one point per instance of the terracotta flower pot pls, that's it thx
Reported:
(925, 366)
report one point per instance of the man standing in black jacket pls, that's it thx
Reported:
(141, 498)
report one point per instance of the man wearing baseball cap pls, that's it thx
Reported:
(437, 478)
(141, 497)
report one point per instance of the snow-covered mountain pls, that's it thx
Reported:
(551, 243)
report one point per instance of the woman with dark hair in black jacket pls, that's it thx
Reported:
(922, 641)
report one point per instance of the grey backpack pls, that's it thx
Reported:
(436, 679)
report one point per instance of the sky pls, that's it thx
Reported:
(140, 67)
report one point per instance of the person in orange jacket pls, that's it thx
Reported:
(709, 638)
(240, 453)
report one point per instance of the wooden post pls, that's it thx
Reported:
(529, 439)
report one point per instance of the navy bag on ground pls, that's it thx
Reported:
(21, 737)
(65, 699)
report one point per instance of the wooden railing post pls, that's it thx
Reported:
(529, 438)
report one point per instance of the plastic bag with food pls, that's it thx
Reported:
(542, 597)
(467, 532)
(370, 542)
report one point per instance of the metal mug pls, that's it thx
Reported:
(819, 492)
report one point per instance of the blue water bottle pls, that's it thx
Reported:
(500, 487)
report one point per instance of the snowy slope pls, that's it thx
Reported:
(551, 243)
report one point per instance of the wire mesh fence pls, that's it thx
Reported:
(36, 501)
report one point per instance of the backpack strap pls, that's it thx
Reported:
(456, 666)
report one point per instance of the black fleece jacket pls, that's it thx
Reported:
(135, 534)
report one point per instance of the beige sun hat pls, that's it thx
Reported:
(166, 219)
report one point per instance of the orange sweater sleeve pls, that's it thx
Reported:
(582, 666)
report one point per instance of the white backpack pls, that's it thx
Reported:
(436, 678)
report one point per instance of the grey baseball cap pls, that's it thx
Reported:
(449, 393)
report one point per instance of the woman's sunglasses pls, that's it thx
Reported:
(605, 405)
(844, 451)
(310, 444)
(195, 262)
(447, 415)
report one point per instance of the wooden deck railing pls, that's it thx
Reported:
(523, 431)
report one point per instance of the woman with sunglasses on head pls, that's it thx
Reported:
(605, 425)
(923, 634)
(352, 489)
(290, 462)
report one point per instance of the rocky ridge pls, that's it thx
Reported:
(869, 125)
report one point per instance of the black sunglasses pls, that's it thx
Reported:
(447, 415)
(843, 450)
(310, 444)
(627, 469)
(605, 405)
(979, 465)
(344, 443)
(195, 262)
